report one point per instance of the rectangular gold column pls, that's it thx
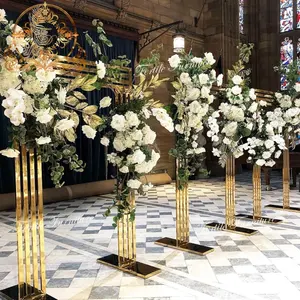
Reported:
(286, 176)
(256, 180)
(30, 228)
(230, 193)
(127, 237)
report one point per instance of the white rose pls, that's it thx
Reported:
(278, 95)
(216, 152)
(105, 102)
(104, 141)
(149, 135)
(192, 94)
(185, 78)
(45, 76)
(194, 144)
(266, 155)
(118, 144)
(213, 74)
(9, 152)
(64, 124)
(196, 60)
(132, 119)
(124, 170)
(278, 154)
(252, 94)
(237, 80)
(200, 150)
(43, 140)
(260, 162)
(263, 103)
(210, 58)
(89, 132)
(43, 116)
(205, 92)
(174, 61)
(220, 79)
(270, 163)
(269, 144)
(203, 78)
(297, 87)
(118, 123)
(195, 107)
(253, 107)
(2, 16)
(134, 184)
(226, 141)
(61, 95)
(230, 129)
(297, 101)
(236, 90)
(138, 157)
(101, 69)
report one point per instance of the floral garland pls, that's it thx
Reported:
(236, 116)
(133, 141)
(191, 106)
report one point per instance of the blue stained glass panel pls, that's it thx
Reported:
(241, 17)
(286, 15)
(286, 57)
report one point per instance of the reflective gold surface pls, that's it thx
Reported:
(230, 193)
(286, 176)
(256, 181)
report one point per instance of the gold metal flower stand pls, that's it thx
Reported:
(182, 224)
(30, 229)
(257, 213)
(286, 183)
(230, 220)
(126, 259)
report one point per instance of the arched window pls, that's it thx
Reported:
(289, 28)
(241, 16)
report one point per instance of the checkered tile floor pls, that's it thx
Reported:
(263, 266)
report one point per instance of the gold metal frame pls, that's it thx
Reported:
(30, 228)
(126, 259)
(230, 220)
(182, 221)
(286, 182)
(257, 212)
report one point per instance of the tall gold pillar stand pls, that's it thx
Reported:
(286, 183)
(30, 229)
(182, 223)
(126, 259)
(230, 220)
(257, 212)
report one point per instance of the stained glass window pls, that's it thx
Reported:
(298, 13)
(242, 16)
(286, 56)
(286, 15)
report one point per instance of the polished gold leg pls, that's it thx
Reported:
(30, 229)
(126, 259)
(257, 212)
(182, 222)
(286, 183)
(230, 220)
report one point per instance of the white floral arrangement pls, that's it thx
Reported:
(236, 116)
(133, 142)
(44, 110)
(191, 106)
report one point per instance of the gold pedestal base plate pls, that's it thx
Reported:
(188, 247)
(12, 293)
(137, 268)
(240, 230)
(259, 219)
(280, 207)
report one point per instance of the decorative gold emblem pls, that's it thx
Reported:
(46, 32)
